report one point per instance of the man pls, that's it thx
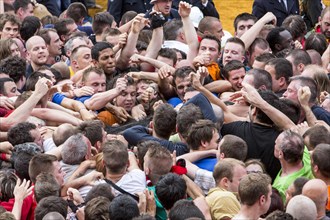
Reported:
(292, 94)
(8, 87)
(122, 168)
(234, 72)
(259, 79)
(281, 70)
(9, 26)
(259, 46)
(234, 49)
(65, 27)
(174, 36)
(80, 58)
(210, 26)
(255, 192)
(53, 43)
(23, 8)
(94, 131)
(101, 22)
(222, 200)
(324, 24)
(294, 158)
(316, 190)
(280, 39)
(25, 132)
(37, 54)
(243, 22)
(301, 207)
(299, 59)
(261, 60)
(280, 8)
(164, 7)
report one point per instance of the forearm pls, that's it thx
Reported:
(3, 136)
(153, 49)
(127, 51)
(197, 155)
(133, 164)
(326, 58)
(76, 184)
(310, 117)
(125, 27)
(249, 36)
(155, 63)
(193, 190)
(56, 116)
(191, 169)
(17, 209)
(191, 38)
(55, 106)
(149, 76)
(100, 100)
(56, 152)
(218, 86)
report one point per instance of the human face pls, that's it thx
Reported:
(254, 168)
(249, 79)
(292, 91)
(275, 82)
(243, 26)
(15, 50)
(236, 77)
(277, 148)
(287, 41)
(258, 65)
(325, 25)
(257, 51)
(268, 199)
(217, 30)
(232, 51)
(50, 74)
(214, 142)
(55, 45)
(210, 48)
(38, 139)
(38, 53)
(107, 61)
(26, 12)
(289, 192)
(181, 84)
(163, 6)
(238, 173)
(84, 58)
(9, 30)
(127, 98)
(11, 89)
(96, 81)
(294, 68)
(58, 173)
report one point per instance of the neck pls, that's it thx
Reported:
(98, 38)
(249, 212)
(51, 60)
(256, 121)
(35, 66)
(288, 169)
(114, 177)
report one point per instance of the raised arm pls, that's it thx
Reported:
(304, 94)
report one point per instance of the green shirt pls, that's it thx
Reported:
(160, 211)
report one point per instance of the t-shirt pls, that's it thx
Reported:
(283, 183)
(222, 203)
(260, 140)
(207, 163)
(204, 179)
(160, 210)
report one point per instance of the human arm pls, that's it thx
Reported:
(21, 191)
(198, 155)
(23, 111)
(218, 86)
(81, 170)
(121, 43)
(55, 116)
(165, 79)
(119, 112)
(133, 164)
(144, 75)
(55, 106)
(78, 107)
(304, 94)
(149, 60)
(193, 190)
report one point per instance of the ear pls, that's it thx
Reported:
(254, 111)
(62, 37)
(28, 55)
(263, 87)
(262, 200)
(315, 168)
(222, 156)
(98, 145)
(147, 171)
(74, 63)
(225, 182)
(243, 58)
(19, 12)
(95, 62)
(278, 47)
(151, 124)
(282, 81)
(280, 154)
(300, 67)
(203, 144)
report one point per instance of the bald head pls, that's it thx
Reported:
(34, 40)
(317, 191)
(53, 216)
(301, 208)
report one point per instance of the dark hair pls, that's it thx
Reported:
(127, 16)
(7, 184)
(145, 36)
(298, 185)
(169, 189)
(290, 109)
(171, 29)
(261, 78)
(30, 25)
(300, 56)
(98, 47)
(61, 26)
(2, 85)
(274, 37)
(164, 119)
(244, 17)
(295, 25)
(76, 11)
(320, 157)
(100, 21)
(318, 134)
(51, 204)
(276, 202)
(233, 147)
(93, 130)
(20, 133)
(8, 7)
(279, 215)
(212, 37)
(49, 19)
(168, 53)
(21, 4)
(271, 99)
(33, 79)
(46, 185)
(317, 42)
(230, 66)
(4, 18)
(283, 68)
(103, 189)
(265, 57)
(184, 118)
(97, 208)
(258, 42)
(44, 33)
(184, 209)
(182, 72)
(123, 207)
(41, 163)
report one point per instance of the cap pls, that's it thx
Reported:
(196, 15)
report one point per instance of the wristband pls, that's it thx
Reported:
(3, 157)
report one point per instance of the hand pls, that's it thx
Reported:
(6, 103)
(300, 128)
(173, 158)
(42, 86)
(121, 84)
(83, 91)
(139, 22)
(203, 72)
(120, 114)
(135, 75)
(195, 80)
(138, 113)
(21, 191)
(269, 17)
(297, 45)
(184, 9)
(165, 72)
(88, 115)
(74, 195)
(142, 202)
(156, 104)
(92, 177)
(136, 58)
(151, 204)
(148, 95)
(6, 147)
(122, 40)
(80, 213)
(251, 95)
(304, 94)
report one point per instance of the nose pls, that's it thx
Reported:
(128, 97)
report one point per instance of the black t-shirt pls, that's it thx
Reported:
(260, 140)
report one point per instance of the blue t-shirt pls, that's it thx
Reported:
(207, 163)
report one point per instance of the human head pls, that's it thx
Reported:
(157, 161)
(52, 40)
(123, 207)
(72, 43)
(45, 163)
(24, 132)
(103, 57)
(279, 39)
(182, 80)
(234, 49)
(53, 216)
(243, 22)
(320, 163)
(315, 135)
(259, 46)
(164, 120)
(297, 82)
(63, 132)
(111, 35)
(46, 185)
(169, 189)
(76, 149)
(30, 26)
(185, 209)
(315, 57)
(324, 21)
(8, 87)
(203, 135)
(101, 21)
(7, 184)
(259, 79)
(299, 59)
(261, 60)
(234, 72)
(295, 188)
(8, 47)
(77, 11)
(228, 172)
(163, 6)
(15, 67)
(65, 27)
(173, 30)
(301, 207)
(115, 149)
(127, 16)
(289, 147)
(23, 8)
(9, 26)
(255, 190)
(80, 57)
(317, 42)
(51, 204)
(211, 47)
(94, 131)
(280, 70)
(37, 52)
(127, 98)
(254, 166)
(232, 146)
(295, 24)
(103, 189)
(97, 208)
(168, 56)
(210, 26)
(95, 78)
(276, 202)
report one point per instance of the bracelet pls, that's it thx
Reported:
(3, 157)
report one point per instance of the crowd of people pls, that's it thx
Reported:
(151, 110)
